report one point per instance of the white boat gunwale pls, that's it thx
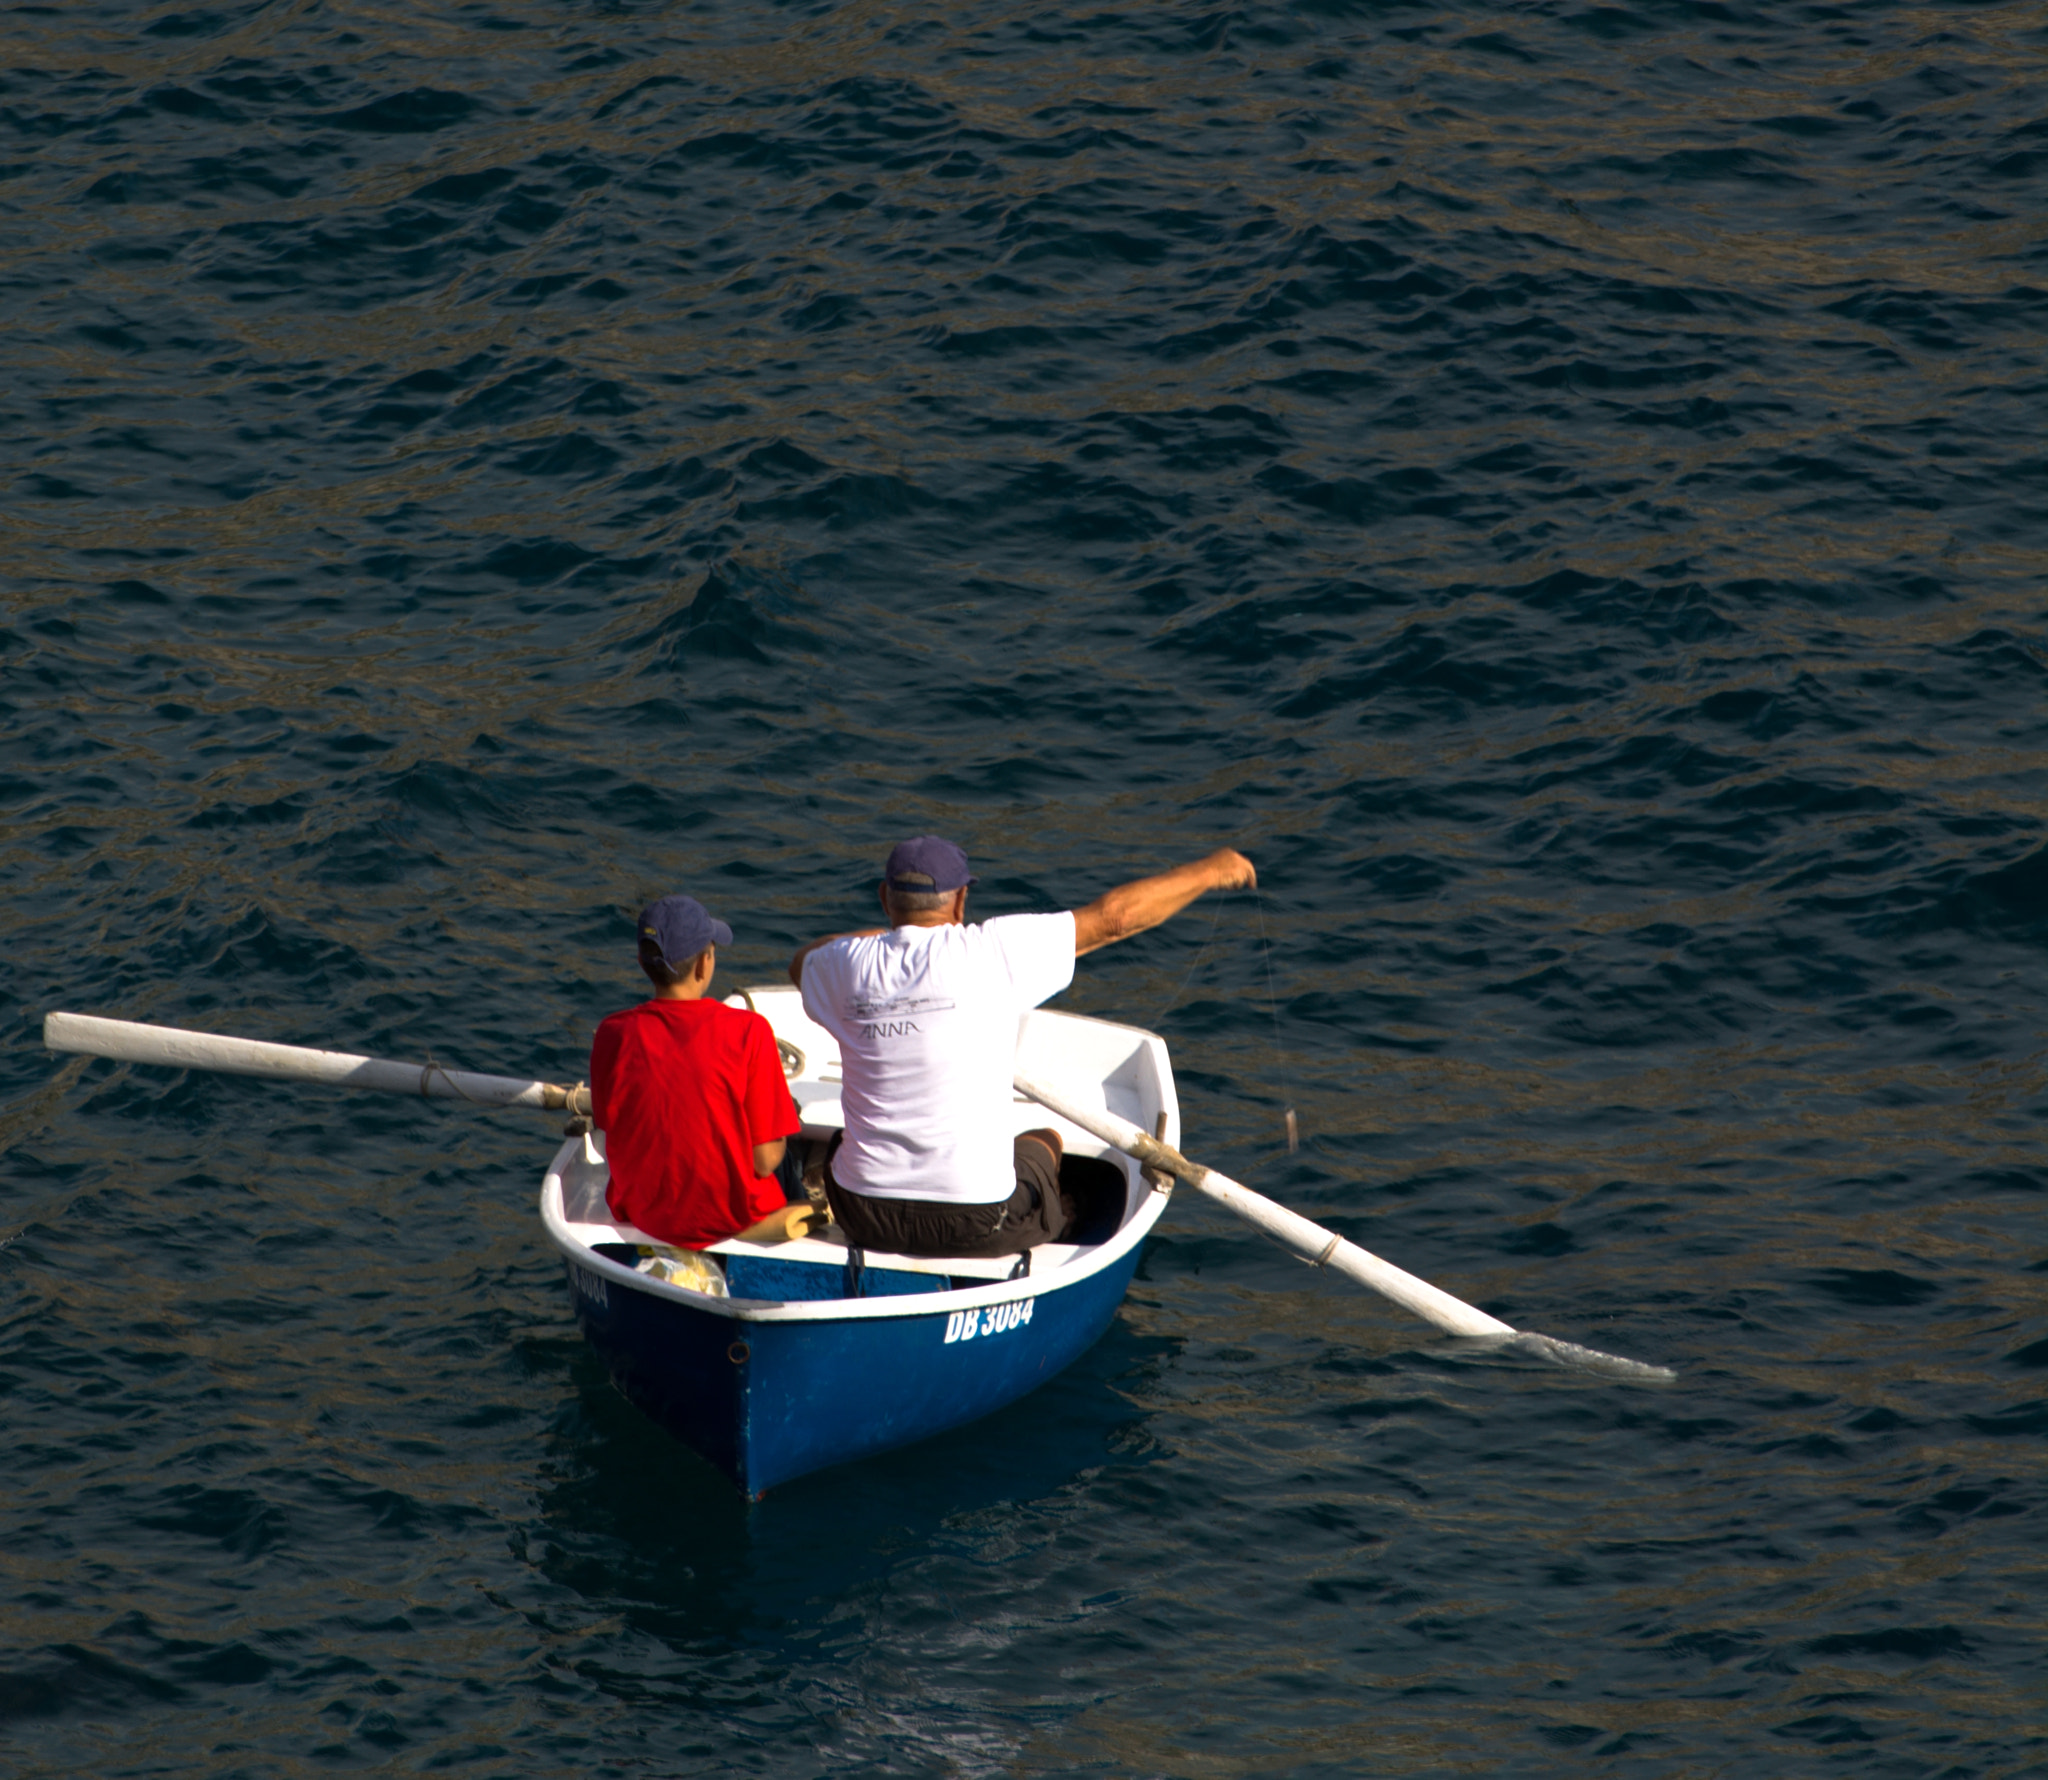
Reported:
(1083, 1264)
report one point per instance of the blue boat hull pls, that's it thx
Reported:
(767, 1401)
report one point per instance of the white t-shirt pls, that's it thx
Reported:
(926, 1019)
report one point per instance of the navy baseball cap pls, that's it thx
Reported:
(925, 865)
(679, 927)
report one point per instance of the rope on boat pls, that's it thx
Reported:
(792, 1059)
(430, 1069)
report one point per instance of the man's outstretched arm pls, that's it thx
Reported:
(1131, 908)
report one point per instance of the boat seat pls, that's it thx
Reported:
(829, 1247)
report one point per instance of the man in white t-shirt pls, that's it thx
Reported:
(926, 1013)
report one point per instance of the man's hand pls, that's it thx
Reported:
(1233, 871)
(1132, 908)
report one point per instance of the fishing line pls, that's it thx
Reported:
(1273, 1005)
(1215, 922)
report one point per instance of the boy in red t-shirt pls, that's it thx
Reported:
(690, 1095)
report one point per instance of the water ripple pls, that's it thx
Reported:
(1559, 485)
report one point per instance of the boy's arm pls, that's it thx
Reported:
(604, 1049)
(770, 1106)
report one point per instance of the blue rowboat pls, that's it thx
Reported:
(818, 1354)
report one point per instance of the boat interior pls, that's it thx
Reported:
(1120, 1068)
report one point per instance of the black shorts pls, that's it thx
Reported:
(1034, 1213)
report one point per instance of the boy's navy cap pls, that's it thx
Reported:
(679, 927)
(927, 864)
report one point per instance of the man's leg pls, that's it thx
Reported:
(1035, 1212)
(1038, 1210)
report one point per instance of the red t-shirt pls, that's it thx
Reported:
(682, 1091)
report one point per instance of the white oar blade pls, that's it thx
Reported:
(131, 1041)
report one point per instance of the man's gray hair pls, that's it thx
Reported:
(918, 902)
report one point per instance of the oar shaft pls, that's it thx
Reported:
(130, 1041)
(1309, 1240)
(1325, 1248)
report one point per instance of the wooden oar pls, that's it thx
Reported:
(129, 1041)
(1325, 1248)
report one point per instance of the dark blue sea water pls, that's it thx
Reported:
(1560, 485)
